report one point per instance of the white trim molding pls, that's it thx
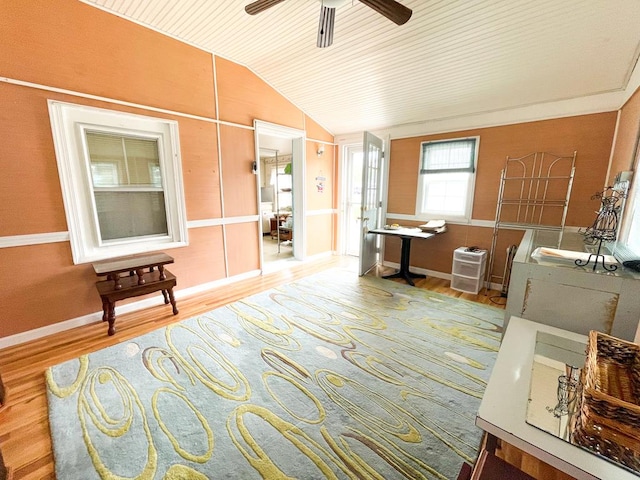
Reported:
(326, 211)
(414, 218)
(33, 239)
(56, 237)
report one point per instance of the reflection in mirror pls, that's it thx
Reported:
(555, 385)
(556, 392)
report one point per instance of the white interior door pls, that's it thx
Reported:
(351, 225)
(371, 210)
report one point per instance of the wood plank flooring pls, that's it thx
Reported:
(24, 427)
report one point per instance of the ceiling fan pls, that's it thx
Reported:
(394, 11)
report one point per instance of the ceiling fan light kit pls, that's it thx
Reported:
(394, 11)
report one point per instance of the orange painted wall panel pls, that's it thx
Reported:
(627, 137)
(404, 164)
(71, 45)
(244, 97)
(319, 181)
(242, 247)
(315, 131)
(202, 261)
(200, 171)
(319, 237)
(590, 135)
(29, 168)
(45, 287)
(239, 184)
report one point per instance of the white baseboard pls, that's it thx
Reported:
(433, 273)
(90, 318)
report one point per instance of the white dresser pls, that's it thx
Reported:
(563, 295)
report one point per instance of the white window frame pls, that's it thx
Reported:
(69, 122)
(433, 214)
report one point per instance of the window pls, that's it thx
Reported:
(446, 180)
(630, 233)
(121, 179)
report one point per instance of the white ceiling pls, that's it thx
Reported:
(454, 58)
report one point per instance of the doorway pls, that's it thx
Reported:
(352, 199)
(363, 198)
(280, 174)
(276, 199)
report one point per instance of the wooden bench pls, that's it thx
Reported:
(146, 274)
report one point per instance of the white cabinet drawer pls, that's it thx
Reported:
(467, 285)
(468, 269)
(472, 257)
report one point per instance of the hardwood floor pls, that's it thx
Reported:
(24, 427)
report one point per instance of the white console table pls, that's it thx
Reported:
(503, 409)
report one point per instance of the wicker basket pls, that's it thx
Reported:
(611, 391)
(606, 441)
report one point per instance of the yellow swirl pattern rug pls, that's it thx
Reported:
(332, 376)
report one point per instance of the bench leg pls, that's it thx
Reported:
(112, 318)
(172, 300)
(105, 309)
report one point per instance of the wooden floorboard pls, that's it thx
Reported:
(24, 427)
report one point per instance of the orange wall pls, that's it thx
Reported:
(70, 45)
(320, 197)
(242, 101)
(590, 135)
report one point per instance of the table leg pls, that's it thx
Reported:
(404, 264)
(166, 297)
(112, 318)
(173, 301)
(490, 443)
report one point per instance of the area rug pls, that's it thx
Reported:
(332, 376)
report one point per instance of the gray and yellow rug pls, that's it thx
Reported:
(332, 376)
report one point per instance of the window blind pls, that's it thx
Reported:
(448, 156)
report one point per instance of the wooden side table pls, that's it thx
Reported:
(146, 274)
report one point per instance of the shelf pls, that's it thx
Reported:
(540, 174)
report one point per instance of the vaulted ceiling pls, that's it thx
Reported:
(452, 59)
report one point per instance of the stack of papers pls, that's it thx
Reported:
(434, 226)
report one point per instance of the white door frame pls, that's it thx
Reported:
(343, 143)
(298, 140)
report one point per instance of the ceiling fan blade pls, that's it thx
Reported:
(394, 11)
(260, 6)
(325, 27)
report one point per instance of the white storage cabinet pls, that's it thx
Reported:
(467, 274)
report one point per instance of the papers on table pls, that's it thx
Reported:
(434, 226)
